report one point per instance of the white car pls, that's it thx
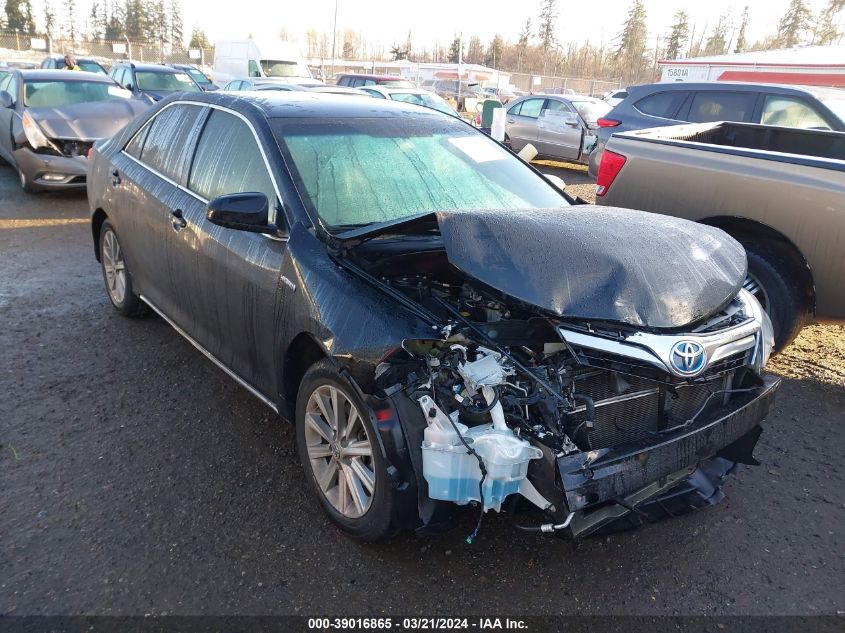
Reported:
(615, 97)
(416, 96)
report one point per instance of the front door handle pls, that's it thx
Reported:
(177, 221)
(511, 121)
(115, 178)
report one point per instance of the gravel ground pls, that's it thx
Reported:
(137, 478)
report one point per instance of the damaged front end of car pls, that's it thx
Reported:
(618, 411)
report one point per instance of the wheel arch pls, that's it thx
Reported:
(99, 216)
(302, 352)
(744, 230)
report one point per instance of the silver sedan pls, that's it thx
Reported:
(561, 127)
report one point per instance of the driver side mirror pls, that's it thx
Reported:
(6, 100)
(241, 211)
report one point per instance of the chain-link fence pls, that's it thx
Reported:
(563, 85)
(20, 48)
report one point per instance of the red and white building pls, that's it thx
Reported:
(808, 66)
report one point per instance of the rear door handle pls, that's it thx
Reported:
(511, 121)
(177, 221)
(115, 178)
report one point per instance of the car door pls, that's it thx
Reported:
(227, 279)
(522, 122)
(559, 131)
(9, 84)
(145, 176)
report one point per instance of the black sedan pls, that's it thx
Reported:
(441, 325)
(49, 119)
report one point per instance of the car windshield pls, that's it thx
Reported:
(91, 67)
(198, 76)
(279, 68)
(358, 171)
(591, 111)
(165, 82)
(52, 94)
(423, 99)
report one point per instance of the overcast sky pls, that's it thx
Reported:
(388, 21)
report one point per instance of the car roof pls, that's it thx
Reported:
(289, 103)
(63, 75)
(742, 86)
(376, 77)
(155, 68)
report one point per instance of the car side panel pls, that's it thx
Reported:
(227, 281)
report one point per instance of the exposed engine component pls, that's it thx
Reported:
(507, 387)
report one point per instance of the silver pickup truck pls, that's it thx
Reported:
(780, 192)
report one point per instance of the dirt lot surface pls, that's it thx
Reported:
(136, 478)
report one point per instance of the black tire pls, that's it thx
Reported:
(131, 304)
(377, 522)
(24, 182)
(783, 294)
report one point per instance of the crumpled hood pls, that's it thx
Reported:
(599, 263)
(87, 121)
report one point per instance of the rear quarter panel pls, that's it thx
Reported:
(806, 204)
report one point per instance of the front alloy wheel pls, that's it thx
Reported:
(341, 454)
(339, 451)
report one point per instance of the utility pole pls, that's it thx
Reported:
(460, 65)
(334, 36)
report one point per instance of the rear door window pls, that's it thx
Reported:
(662, 104)
(529, 108)
(791, 112)
(708, 106)
(170, 140)
(229, 160)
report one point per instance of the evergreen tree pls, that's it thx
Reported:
(827, 28)
(548, 17)
(742, 38)
(631, 49)
(15, 18)
(176, 26)
(495, 51)
(676, 42)
(199, 39)
(793, 26)
(455, 50)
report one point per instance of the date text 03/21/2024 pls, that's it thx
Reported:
(417, 624)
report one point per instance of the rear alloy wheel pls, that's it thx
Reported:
(338, 449)
(116, 275)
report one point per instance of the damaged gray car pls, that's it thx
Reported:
(447, 331)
